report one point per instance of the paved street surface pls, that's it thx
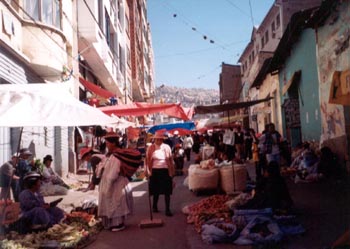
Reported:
(323, 210)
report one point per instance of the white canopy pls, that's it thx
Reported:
(46, 104)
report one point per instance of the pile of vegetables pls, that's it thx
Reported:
(77, 229)
(209, 208)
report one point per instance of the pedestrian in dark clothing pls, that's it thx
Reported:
(239, 142)
(24, 166)
(196, 142)
(248, 142)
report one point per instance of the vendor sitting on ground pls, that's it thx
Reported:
(271, 191)
(52, 183)
(35, 212)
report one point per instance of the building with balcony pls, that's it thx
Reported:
(37, 46)
(103, 45)
(141, 52)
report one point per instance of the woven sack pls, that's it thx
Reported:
(202, 179)
(226, 178)
(130, 160)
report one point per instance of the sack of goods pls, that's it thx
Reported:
(202, 179)
(226, 178)
(130, 160)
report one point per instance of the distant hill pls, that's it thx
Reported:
(187, 96)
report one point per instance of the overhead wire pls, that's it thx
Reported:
(196, 51)
(251, 13)
(191, 24)
(238, 8)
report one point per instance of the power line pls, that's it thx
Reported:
(251, 13)
(238, 8)
(190, 24)
(196, 51)
(207, 73)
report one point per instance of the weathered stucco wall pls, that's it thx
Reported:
(333, 54)
(303, 58)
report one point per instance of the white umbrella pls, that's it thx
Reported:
(48, 104)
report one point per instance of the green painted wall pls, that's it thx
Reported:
(303, 57)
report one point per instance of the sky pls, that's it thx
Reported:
(192, 38)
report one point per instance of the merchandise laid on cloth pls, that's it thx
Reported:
(217, 220)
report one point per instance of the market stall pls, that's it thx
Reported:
(39, 105)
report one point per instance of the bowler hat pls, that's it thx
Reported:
(112, 137)
(159, 134)
(47, 158)
(32, 176)
(25, 152)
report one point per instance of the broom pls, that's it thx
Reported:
(149, 223)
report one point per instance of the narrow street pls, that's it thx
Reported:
(321, 209)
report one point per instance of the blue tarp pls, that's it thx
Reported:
(187, 126)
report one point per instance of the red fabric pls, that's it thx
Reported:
(96, 89)
(142, 108)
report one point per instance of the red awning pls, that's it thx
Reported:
(96, 89)
(142, 108)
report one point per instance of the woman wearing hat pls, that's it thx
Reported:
(160, 167)
(115, 197)
(38, 213)
(50, 175)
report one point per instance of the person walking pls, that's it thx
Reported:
(160, 169)
(8, 179)
(115, 200)
(187, 145)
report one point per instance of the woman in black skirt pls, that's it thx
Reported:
(160, 168)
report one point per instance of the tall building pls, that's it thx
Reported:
(141, 52)
(88, 43)
(230, 83)
(36, 46)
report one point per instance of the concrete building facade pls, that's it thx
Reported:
(37, 46)
(264, 40)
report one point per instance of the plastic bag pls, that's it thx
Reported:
(219, 233)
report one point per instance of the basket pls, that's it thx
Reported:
(202, 179)
(9, 213)
(226, 178)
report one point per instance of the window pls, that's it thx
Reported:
(278, 21)
(100, 14)
(128, 56)
(107, 29)
(121, 59)
(262, 42)
(45, 11)
(266, 36)
(273, 29)
(127, 25)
